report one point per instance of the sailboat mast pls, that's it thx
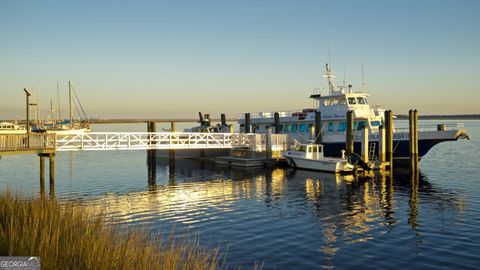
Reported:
(58, 103)
(70, 103)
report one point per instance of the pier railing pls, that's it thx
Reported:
(27, 142)
(98, 141)
(163, 140)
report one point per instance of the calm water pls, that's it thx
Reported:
(286, 219)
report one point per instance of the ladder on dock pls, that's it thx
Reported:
(371, 152)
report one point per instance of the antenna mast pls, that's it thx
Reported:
(328, 73)
(363, 78)
(70, 103)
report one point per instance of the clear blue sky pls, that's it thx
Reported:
(162, 59)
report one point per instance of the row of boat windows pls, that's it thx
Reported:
(343, 101)
(342, 126)
(310, 148)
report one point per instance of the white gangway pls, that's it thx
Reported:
(101, 141)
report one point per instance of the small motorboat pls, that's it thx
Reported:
(310, 156)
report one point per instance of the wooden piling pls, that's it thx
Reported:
(415, 122)
(415, 134)
(411, 148)
(152, 157)
(247, 123)
(349, 134)
(365, 144)
(276, 117)
(223, 120)
(52, 174)
(381, 144)
(268, 143)
(389, 138)
(42, 174)
(318, 127)
(171, 152)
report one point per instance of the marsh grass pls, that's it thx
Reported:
(68, 236)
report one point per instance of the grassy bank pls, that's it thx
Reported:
(66, 236)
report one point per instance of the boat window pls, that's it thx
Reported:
(361, 100)
(314, 149)
(334, 101)
(309, 149)
(294, 127)
(342, 126)
(303, 127)
(351, 101)
(361, 125)
(355, 124)
(286, 128)
(331, 126)
(320, 148)
(300, 148)
(375, 123)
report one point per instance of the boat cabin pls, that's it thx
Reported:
(310, 151)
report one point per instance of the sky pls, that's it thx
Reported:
(161, 59)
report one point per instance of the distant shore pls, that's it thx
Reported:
(194, 120)
(444, 117)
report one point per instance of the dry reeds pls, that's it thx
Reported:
(67, 236)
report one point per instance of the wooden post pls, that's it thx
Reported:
(247, 123)
(389, 137)
(318, 127)
(411, 148)
(52, 173)
(365, 144)
(151, 156)
(223, 120)
(42, 174)
(349, 134)
(276, 117)
(171, 152)
(381, 144)
(415, 133)
(268, 143)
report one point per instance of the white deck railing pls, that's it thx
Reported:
(26, 142)
(164, 140)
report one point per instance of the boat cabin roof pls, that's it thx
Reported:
(309, 148)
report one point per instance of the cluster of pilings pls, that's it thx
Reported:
(51, 159)
(385, 143)
(152, 155)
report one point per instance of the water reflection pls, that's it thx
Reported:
(237, 206)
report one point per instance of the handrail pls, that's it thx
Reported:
(27, 142)
(164, 140)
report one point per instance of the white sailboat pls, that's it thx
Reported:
(70, 126)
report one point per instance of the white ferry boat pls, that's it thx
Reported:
(334, 107)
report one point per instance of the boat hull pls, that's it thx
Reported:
(333, 166)
(401, 152)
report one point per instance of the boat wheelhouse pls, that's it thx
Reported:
(11, 128)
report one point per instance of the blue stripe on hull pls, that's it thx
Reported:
(401, 148)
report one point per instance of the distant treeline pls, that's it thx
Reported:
(436, 117)
(193, 120)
